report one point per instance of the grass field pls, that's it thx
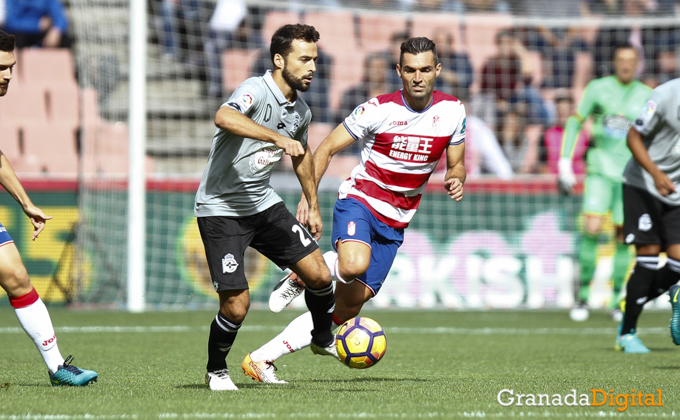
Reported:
(437, 365)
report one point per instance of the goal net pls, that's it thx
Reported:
(520, 68)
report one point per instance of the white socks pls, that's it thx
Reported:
(35, 320)
(296, 336)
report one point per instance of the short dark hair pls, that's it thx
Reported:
(6, 42)
(282, 40)
(416, 46)
(622, 46)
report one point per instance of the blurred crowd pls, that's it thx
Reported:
(517, 102)
(517, 98)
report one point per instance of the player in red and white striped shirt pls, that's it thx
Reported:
(404, 134)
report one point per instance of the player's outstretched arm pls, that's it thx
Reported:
(338, 140)
(304, 169)
(455, 172)
(662, 182)
(9, 181)
(334, 143)
(566, 178)
(230, 120)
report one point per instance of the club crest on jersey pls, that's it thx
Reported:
(229, 264)
(435, 124)
(296, 123)
(351, 228)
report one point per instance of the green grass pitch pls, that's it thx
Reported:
(439, 364)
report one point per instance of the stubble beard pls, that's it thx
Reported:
(293, 81)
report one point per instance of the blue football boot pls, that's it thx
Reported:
(674, 292)
(69, 375)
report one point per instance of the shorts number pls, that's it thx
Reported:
(305, 241)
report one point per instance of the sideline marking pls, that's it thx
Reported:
(393, 330)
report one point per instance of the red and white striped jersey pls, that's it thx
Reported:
(401, 149)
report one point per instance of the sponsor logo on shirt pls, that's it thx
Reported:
(413, 148)
(351, 228)
(264, 158)
(398, 123)
(616, 125)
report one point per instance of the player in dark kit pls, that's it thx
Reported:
(236, 206)
(651, 205)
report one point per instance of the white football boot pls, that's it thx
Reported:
(220, 381)
(285, 291)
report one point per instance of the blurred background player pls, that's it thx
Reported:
(28, 307)
(236, 206)
(404, 135)
(614, 102)
(652, 211)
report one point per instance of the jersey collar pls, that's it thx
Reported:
(413, 110)
(271, 84)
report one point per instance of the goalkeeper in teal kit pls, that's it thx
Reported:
(614, 102)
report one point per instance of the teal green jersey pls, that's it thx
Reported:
(614, 107)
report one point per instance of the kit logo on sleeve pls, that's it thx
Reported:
(246, 101)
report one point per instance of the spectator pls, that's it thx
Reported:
(37, 23)
(617, 7)
(317, 95)
(483, 154)
(559, 47)
(666, 65)
(226, 19)
(646, 40)
(392, 55)
(372, 4)
(515, 144)
(456, 74)
(506, 82)
(433, 5)
(552, 139)
(374, 83)
(542, 8)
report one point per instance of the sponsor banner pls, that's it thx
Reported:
(496, 249)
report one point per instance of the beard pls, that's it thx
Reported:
(293, 81)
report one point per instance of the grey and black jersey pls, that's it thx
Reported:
(659, 125)
(236, 179)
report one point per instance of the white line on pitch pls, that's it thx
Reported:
(390, 330)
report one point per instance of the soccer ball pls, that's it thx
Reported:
(360, 342)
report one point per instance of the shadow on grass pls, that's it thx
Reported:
(240, 386)
(371, 379)
(311, 381)
(666, 367)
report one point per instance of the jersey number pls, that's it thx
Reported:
(305, 241)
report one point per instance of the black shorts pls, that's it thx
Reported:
(648, 220)
(275, 233)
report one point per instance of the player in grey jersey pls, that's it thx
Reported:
(236, 206)
(651, 205)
